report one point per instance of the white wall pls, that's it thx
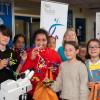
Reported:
(90, 19)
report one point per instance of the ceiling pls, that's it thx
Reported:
(79, 3)
(85, 3)
(94, 4)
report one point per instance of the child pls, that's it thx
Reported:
(41, 59)
(93, 64)
(18, 46)
(52, 42)
(83, 52)
(72, 79)
(8, 61)
(70, 35)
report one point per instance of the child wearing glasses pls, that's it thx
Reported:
(93, 64)
(72, 79)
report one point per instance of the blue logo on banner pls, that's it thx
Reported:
(54, 27)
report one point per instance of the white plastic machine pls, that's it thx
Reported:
(12, 90)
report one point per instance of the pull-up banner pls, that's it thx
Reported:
(54, 19)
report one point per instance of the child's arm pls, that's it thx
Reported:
(84, 92)
(22, 62)
(56, 86)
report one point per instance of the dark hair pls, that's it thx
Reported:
(5, 31)
(73, 43)
(17, 36)
(52, 37)
(83, 45)
(40, 31)
(92, 40)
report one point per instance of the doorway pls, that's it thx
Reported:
(80, 27)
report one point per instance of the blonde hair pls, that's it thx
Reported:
(67, 31)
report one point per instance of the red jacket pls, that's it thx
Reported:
(50, 58)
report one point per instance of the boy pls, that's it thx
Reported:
(72, 79)
(8, 61)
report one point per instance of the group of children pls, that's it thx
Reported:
(74, 77)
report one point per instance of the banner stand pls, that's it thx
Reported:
(54, 19)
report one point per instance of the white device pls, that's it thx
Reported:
(12, 90)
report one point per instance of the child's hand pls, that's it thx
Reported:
(47, 82)
(34, 53)
(91, 84)
(24, 56)
(3, 63)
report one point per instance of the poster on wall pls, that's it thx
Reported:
(54, 19)
(98, 25)
(6, 13)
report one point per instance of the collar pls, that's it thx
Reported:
(90, 63)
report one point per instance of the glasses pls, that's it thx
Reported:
(94, 47)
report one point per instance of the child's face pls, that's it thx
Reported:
(70, 51)
(4, 40)
(41, 41)
(70, 36)
(19, 43)
(94, 49)
(52, 43)
(82, 52)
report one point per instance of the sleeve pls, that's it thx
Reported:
(56, 86)
(84, 92)
(29, 63)
(55, 62)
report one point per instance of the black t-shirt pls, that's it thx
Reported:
(7, 72)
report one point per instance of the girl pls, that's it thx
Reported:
(18, 45)
(69, 35)
(41, 58)
(52, 42)
(93, 64)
